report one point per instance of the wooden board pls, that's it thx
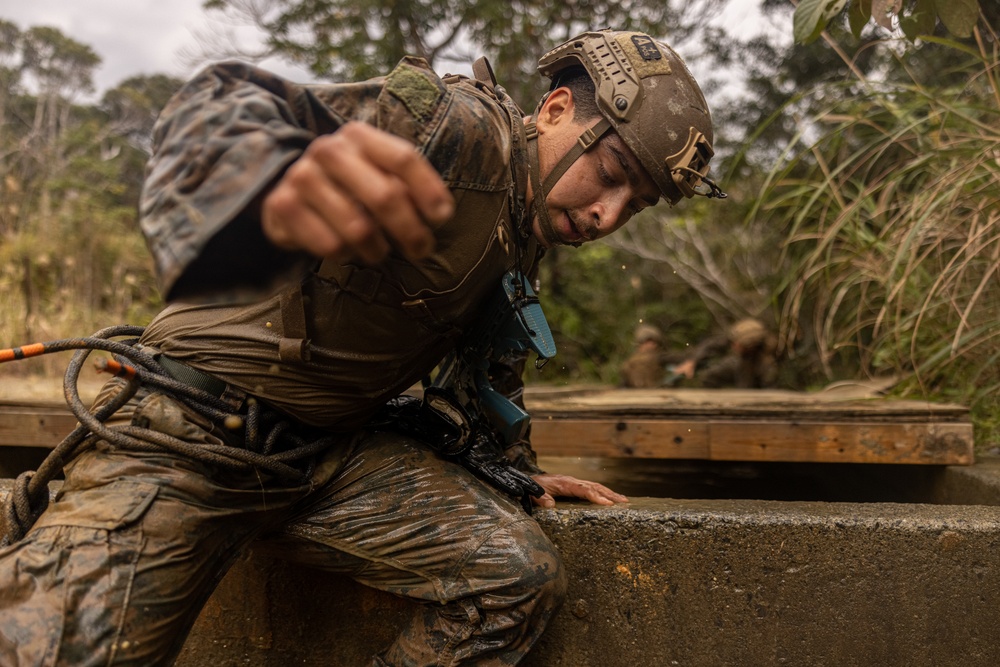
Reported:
(733, 425)
(34, 424)
(760, 404)
(723, 425)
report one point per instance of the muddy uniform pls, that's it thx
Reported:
(643, 369)
(647, 369)
(116, 570)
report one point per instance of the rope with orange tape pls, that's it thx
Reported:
(270, 443)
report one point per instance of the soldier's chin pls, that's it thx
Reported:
(536, 229)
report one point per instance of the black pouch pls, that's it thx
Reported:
(441, 423)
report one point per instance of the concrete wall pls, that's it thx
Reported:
(681, 582)
(687, 582)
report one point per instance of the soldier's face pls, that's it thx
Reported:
(601, 190)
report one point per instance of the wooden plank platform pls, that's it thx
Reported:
(34, 423)
(721, 425)
(736, 425)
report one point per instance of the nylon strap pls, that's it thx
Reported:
(483, 72)
(192, 376)
(294, 343)
(587, 140)
(540, 191)
(537, 194)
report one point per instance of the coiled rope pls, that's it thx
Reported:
(271, 443)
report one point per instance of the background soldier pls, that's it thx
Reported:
(646, 367)
(244, 419)
(743, 357)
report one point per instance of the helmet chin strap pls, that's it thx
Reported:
(540, 191)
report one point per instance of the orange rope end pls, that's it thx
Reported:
(115, 368)
(12, 353)
(34, 349)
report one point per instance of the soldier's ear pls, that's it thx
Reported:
(558, 108)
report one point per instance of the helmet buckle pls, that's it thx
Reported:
(588, 138)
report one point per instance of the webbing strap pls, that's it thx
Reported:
(192, 376)
(294, 343)
(587, 139)
(537, 193)
(540, 191)
(483, 72)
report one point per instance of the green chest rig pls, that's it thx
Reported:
(512, 323)
(369, 285)
(461, 416)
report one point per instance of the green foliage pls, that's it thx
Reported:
(72, 259)
(346, 40)
(595, 296)
(891, 216)
(811, 17)
(958, 16)
(916, 18)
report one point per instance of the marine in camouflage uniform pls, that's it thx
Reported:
(743, 358)
(646, 367)
(117, 568)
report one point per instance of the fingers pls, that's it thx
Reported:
(600, 494)
(291, 224)
(545, 500)
(571, 487)
(398, 157)
(355, 192)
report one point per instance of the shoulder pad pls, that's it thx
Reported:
(415, 85)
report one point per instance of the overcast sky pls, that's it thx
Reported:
(131, 36)
(152, 36)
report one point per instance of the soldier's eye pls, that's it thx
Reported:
(604, 174)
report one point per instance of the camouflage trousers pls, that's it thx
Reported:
(118, 567)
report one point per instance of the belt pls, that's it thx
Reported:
(192, 377)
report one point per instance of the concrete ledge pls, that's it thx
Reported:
(664, 582)
(685, 582)
(978, 484)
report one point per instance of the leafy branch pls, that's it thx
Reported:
(915, 18)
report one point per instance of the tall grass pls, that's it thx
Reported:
(892, 216)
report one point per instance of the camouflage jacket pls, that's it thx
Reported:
(644, 369)
(718, 365)
(333, 341)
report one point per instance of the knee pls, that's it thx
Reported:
(548, 576)
(530, 567)
(507, 590)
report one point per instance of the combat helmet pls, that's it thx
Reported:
(748, 333)
(648, 96)
(648, 332)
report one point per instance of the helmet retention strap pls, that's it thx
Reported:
(540, 191)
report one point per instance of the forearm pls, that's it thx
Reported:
(706, 349)
(220, 143)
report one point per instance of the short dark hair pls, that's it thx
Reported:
(584, 92)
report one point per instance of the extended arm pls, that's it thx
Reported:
(252, 177)
(711, 346)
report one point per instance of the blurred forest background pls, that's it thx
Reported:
(862, 164)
